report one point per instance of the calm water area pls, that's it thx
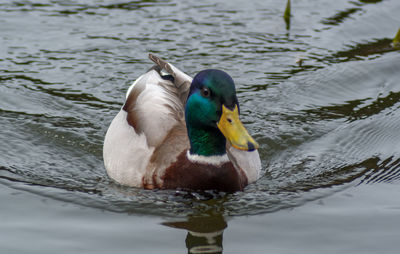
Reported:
(320, 94)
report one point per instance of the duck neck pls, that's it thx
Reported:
(206, 142)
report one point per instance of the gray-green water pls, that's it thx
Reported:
(328, 130)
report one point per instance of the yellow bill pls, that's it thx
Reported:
(233, 130)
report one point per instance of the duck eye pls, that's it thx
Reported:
(205, 92)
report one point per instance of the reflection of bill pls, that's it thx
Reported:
(204, 233)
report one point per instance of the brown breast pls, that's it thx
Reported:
(197, 176)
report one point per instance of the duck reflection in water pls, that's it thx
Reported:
(205, 233)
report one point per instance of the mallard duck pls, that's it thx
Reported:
(177, 132)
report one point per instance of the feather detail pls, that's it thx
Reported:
(153, 107)
(125, 152)
(181, 80)
(164, 155)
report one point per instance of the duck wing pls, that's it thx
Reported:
(155, 101)
(149, 131)
(181, 80)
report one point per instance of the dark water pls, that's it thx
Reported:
(328, 129)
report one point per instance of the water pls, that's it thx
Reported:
(328, 129)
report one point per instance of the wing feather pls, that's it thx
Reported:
(154, 106)
(181, 80)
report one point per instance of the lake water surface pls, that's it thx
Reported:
(328, 130)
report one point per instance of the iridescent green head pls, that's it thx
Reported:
(212, 115)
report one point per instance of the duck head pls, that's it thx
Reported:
(212, 115)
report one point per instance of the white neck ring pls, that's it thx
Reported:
(215, 160)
